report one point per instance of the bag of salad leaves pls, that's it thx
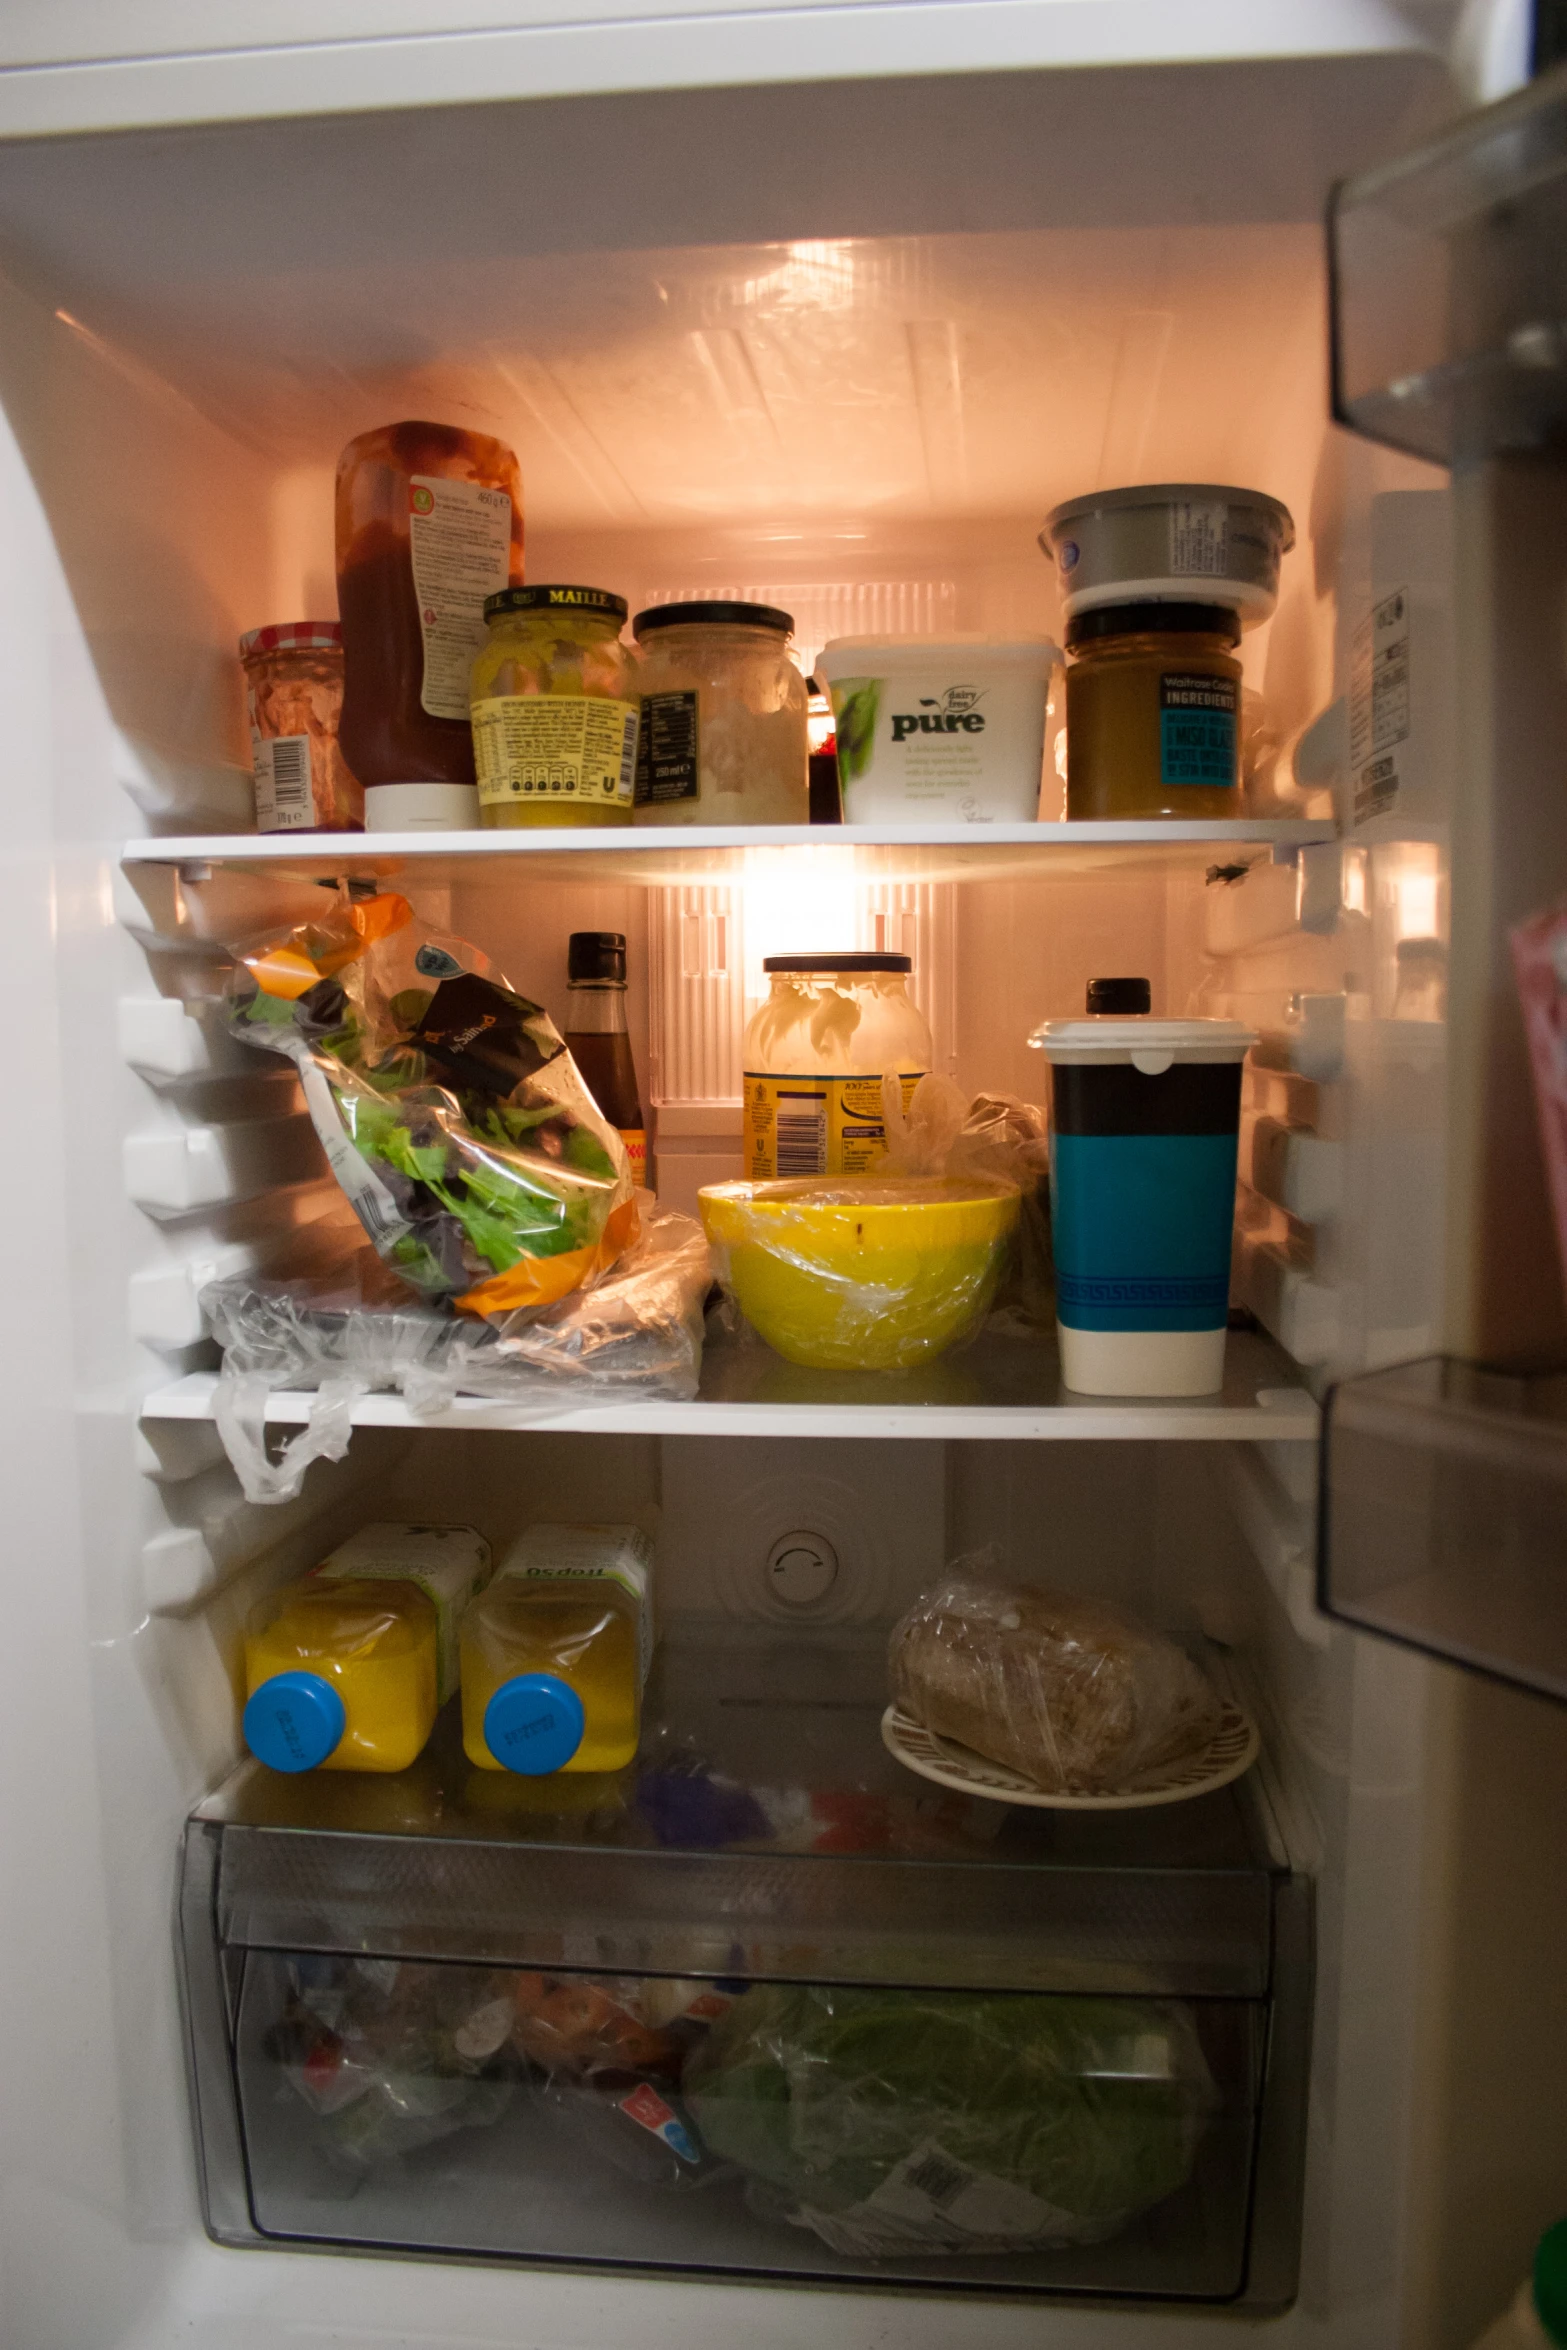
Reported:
(449, 1109)
(899, 2121)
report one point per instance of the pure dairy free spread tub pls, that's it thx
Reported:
(939, 730)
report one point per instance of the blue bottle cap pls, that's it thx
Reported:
(534, 1724)
(294, 1721)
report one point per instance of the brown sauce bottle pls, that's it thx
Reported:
(431, 507)
(598, 1039)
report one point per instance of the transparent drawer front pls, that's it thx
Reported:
(1444, 1523)
(941, 2138)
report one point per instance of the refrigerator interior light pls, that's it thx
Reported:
(797, 900)
(1415, 889)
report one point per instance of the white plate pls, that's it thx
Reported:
(1231, 1750)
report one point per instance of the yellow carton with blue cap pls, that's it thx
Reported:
(556, 1652)
(346, 1668)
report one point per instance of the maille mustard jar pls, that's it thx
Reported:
(1153, 710)
(554, 707)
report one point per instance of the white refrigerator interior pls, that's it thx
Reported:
(838, 345)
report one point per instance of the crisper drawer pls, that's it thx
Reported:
(933, 2138)
(763, 2004)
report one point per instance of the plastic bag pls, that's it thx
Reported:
(637, 2126)
(448, 1107)
(1076, 1695)
(861, 1272)
(333, 1318)
(992, 1135)
(391, 2056)
(572, 2023)
(896, 2121)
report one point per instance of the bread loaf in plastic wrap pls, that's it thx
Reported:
(1072, 1693)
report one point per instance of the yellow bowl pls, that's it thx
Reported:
(861, 1273)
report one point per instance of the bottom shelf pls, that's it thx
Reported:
(1444, 1522)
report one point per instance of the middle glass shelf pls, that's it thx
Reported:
(763, 1829)
(997, 1388)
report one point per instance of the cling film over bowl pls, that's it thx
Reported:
(450, 1111)
(861, 1273)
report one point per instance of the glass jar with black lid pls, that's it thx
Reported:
(1153, 711)
(724, 706)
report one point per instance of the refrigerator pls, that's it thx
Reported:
(823, 307)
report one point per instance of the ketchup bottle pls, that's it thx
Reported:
(429, 523)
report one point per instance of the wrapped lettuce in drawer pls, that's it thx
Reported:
(948, 2121)
(451, 1112)
(1073, 1694)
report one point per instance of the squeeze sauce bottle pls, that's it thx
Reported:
(556, 1651)
(346, 1669)
(429, 523)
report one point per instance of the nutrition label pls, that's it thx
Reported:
(1197, 729)
(1199, 540)
(667, 758)
(815, 1125)
(1379, 707)
(554, 746)
(460, 540)
(285, 800)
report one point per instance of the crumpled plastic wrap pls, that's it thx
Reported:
(390, 2055)
(891, 2121)
(861, 1272)
(946, 1132)
(335, 1319)
(449, 1109)
(1074, 1694)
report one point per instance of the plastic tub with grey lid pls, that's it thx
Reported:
(1170, 542)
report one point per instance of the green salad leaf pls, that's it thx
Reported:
(1093, 2106)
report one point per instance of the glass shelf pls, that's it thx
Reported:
(997, 1388)
(1450, 286)
(1444, 1518)
(763, 1857)
(657, 856)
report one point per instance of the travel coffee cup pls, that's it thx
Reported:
(1144, 1120)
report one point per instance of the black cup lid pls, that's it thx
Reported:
(1152, 618)
(716, 613)
(1120, 995)
(595, 603)
(830, 962)
(596, 954)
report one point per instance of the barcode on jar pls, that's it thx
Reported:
(802, 1134)
(284, 801)
(628, 759)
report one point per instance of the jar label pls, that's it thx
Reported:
(1379, 705)
(667, 754)
(940, 747)
(1197, 744)
(554, 746)
(1199, 540)
(285, 797)
(447, 1563)
(635, 1140)
(460, 542)
(815, 1125)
